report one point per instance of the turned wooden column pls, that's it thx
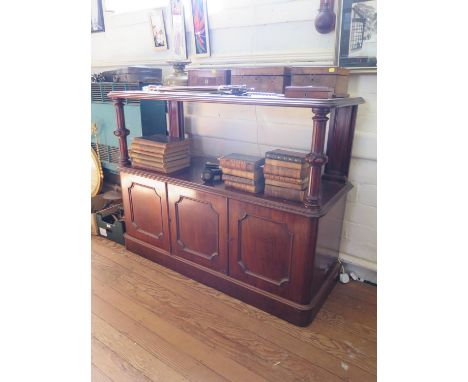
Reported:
(176, 119)
(316, 157)
(121, 132)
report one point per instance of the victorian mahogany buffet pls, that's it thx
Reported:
(280, 256)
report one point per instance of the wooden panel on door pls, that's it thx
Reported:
(146, 212)
(272, 250)
(199, 227)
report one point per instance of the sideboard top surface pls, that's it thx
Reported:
(234, 99)
(330, 192)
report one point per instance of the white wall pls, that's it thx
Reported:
(241, 31)
(262, 32)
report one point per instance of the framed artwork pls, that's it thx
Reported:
(201, 40)
(178, 28)
(358, 34)
(97, 16)
(158, 29)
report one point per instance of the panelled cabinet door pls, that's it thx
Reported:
(199, 227)
(146, 213)
(271, 250)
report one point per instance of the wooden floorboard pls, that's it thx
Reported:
(157, 324)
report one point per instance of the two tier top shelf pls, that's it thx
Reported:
(341, 112)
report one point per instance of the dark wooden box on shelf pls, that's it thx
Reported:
(264, 79)
(334, 77)
(280, 256)
(309, 92)
(209, 77)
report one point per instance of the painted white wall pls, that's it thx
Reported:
(261, 32)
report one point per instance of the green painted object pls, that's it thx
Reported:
(143, 118)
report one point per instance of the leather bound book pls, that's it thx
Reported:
(238, 179)
(241, 162)
(286, 156)
(159, 140)
(292, 186)
(285, 179)
(254, 189)
(286, 164)
(255, 175)
(285, 193)
(297, 173)
(149, 150)
(158, 158)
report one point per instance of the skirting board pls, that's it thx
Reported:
(363, 268)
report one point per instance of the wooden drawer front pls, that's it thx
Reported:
(146, 213)
(199, 227)
(271, 250)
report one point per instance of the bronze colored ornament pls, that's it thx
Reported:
(325, 20)
(180, 76)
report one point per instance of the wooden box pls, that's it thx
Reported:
(209, 77)
(138, 74)
(309, 92)
(265, 79)
(333, 77)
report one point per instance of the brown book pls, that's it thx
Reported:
(286, 156)
(296, 173)
(158, 150)
(245, 187)
(286, 164)
(166, 166)
(241, 162)
(159, 140)
(158, 158)
(238, 179)
(244, 174)
(285, 193)
(292, 186)
(286, 179)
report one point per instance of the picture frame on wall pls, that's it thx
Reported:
(357, 46)
(158, 29)
(97, 16)
(201, 38)
(178, 29)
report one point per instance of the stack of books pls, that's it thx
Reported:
(286, 174)
(243, 172)
(160, 153)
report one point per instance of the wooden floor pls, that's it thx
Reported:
(152, 324)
